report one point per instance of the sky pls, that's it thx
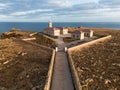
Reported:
(60, 10)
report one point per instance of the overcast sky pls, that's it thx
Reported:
(60, 10)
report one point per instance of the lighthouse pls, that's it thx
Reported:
(50, 24)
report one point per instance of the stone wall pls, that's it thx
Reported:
(89, 43)
(50, 72)
(28, 39)
(75, 76)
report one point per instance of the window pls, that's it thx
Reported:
(87, 34)
(77, 36)
(73, 35)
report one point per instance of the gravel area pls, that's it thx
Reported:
(23, 66)
(98, 66)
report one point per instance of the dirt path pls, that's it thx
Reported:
(62, 79)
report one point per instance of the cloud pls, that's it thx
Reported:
(110, 3)
(65, 3)
(4, 6)
(86, 6)
(30, 12)
(3, 16)
(32, 9)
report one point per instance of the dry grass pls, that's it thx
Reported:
(16, 34)
(98, 66)
(69, 39)
(23, 66)
(55, 37)
(42, 40)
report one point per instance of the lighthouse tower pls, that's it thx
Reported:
(50, 24)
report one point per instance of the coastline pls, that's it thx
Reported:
(28, 53)
(39, 26)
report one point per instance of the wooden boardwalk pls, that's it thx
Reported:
(62, 79)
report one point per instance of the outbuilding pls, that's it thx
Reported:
(78, 34)
(88, 32)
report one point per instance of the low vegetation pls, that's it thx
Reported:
(23, 66)
(10, 35)
(16, 33)
(42, 40)
(98, 66)
(69, 39)
(55, 37)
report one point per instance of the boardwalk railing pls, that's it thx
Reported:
(75, 77)
(50, 72)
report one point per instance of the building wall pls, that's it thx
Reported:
(52, 32)
(65, 31)
(49, 32)
(89, 34)
(81, 36)
(75, 35)
(78, 36)
(56, 32)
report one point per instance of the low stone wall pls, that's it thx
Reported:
(89, 43)
(28, 39)
(50, 72)
(75, 76)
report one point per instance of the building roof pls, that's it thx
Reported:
(54, 28)
(61, 28)
(86, 30)
(77, 32)
(49, 28)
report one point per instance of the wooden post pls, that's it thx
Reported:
(56, 49)
(65, 49)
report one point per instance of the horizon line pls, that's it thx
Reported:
(62, 22)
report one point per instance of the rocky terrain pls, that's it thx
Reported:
(16, 33)
(98, 66)
(23, 66)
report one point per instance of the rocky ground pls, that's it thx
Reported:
(23, 66)
(16, 33)
(98, 66)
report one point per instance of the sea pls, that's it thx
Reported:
(39, 26)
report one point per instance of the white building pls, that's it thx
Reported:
(81, 34)
(52, 31)
(55, 31)
(78, 34)
(88, 32)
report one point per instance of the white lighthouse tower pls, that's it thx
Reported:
(50, 24)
